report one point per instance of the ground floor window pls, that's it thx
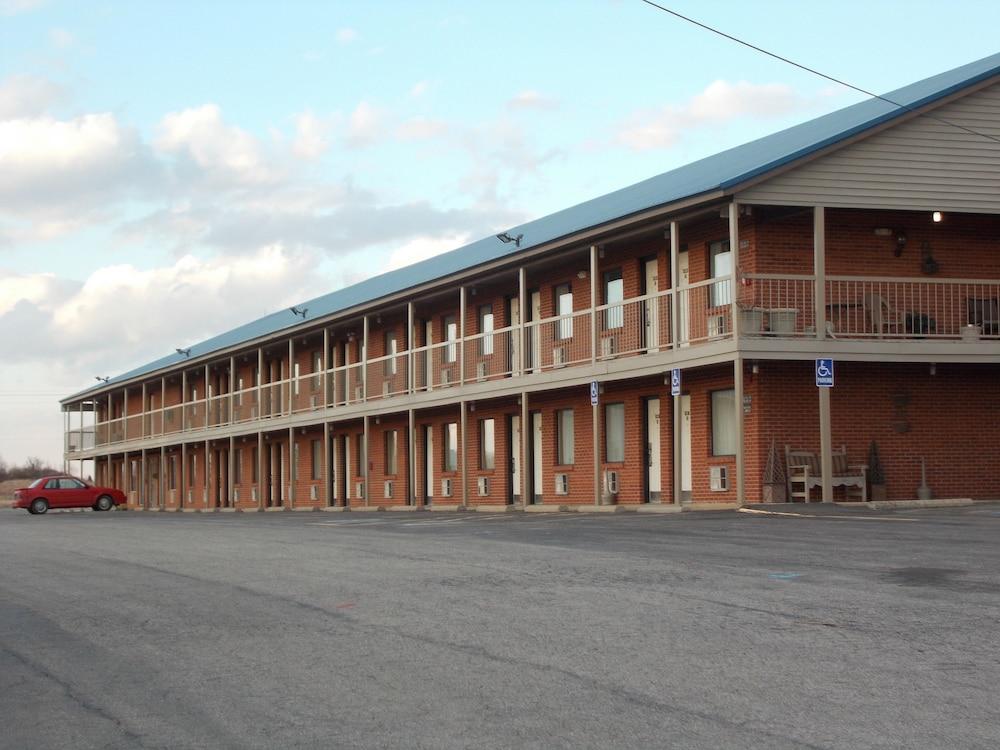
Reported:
(614, 433)
(391, 451)
(487, 444)
(724, 423)
(451, 446)
(564, 437)
(317, 458)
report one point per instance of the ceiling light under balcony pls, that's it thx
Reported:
(936, 217)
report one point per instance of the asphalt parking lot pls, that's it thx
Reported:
(854, 629)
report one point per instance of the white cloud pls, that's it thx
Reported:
(364, 125)
(311, 138)
(61, 38)
(424, 247)
(419, 89)
(224, 153)
(27, 96)
(346, 35)
(531, 99)
(720, 102)
(420, 129)
(13, 7)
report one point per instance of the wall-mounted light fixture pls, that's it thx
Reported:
(936, 217)
(900, 242)
(506, 238)
(933, 368)
(581, 274)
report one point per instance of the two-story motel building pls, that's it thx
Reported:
(870, 236)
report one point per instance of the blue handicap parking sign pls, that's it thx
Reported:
(675, 382)
(824, 373)
(594, 393)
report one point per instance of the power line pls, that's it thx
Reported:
(814, 71)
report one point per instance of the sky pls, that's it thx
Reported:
(169, 170)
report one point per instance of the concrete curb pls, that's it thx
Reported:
(667, 508)
(448, 508)
(494, 508)
(403, 508)
(598, 508)
(546, 508)
(954, 502)
(710, 506)
(367, 508)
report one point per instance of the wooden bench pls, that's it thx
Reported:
(804, 472)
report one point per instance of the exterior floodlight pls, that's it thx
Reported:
(185, 352)
(300, 311)
(104, 379)
(505, 238)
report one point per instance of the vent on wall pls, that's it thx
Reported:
(480, 370)
(446, 487)
(387, 488)
(562, 484)
(611, 482)
(716, 326)
(609, 346)
(484, 486)
(718, 478)
(558, 356)
(253, 494)
(313, 492)
(236, 494)
(359, 490)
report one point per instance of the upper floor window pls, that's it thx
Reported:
(391, 348)
(451, 336)
(486, 328)
(614, 291)
(563, 294)
(721, 266)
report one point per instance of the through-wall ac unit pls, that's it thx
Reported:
(254, 411)
(446, 487)
(562, 484)
(611, 482)
(314, 401)
(387, 488)
(236, 494)
(483, 485)
(718, 478)
(359, 490)
(609, 346)
(359, 392)
(717, 326)
(253, 494)
(313, 492)
(446, 376)
(481, 370)
(189, 496)
(386, 387)
(558, 356)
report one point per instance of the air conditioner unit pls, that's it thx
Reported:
(446, 487)
(611, 482)
(387, 488)
(359, 490)
(236, 494)
(190, 496)
(314, 401)
(386, 387)
(483, 486)
(562, 484)
(716, 326)
(558, 356)
(313, 492)
(446, 376)
(480, 371)
(253, 494)
(718, 478)
(359, 392)
(609, 346)
(254, 411)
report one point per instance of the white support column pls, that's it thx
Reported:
(595, 416)
(147, 416)
(678, 459)
(326, 376)
(162, 494)
(230, 484)
(461, 334)
(593, 304)
(675, 296)
(184, 391)
(142, 478)
(261, 474)
(364, 372)
(232, 387)
(260, 387)
(738, 398)
(182, 490)
(327, 462)
(462, 444)
(411, 445)
(411, 381)
(293, 468)
(206, 491)
(734, 251)
(522, 333)
(819, 271)
(293, 382)
(204, 397)
(364, 458)
(526, 436)
(124, 419)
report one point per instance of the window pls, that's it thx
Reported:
(360, 454)
(238, 466)
(614, 433)
(487, 444)
(451, 446)
(294, 469)
(390, 351)
(255, 468)
(564, 306)
(391, 451)
(564, 437)
(172, 473)
(192, 469)
(451, 336)
(239, 391)
(614, 291)
(316, 446)
(722, 268)
(317, 382)
(295, 379)
(724, 423)
(486, 328)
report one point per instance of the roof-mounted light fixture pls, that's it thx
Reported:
(505, 238)
(185, 352)
(300, 311)
(103, 379)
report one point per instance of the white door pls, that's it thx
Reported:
(683, 280)
(515, 336)
(428, 359)
(536, 457)
(429, 462)
(652, 280)
(686, 447)
(515, 457)
(653, 448)
(534, 333)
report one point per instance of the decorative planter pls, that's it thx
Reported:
(970, 333)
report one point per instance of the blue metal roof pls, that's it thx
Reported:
(721, 171)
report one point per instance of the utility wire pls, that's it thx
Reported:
(815, 72)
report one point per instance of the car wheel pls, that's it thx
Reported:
(104, 503)
(39, 506)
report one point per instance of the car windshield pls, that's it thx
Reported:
(36, 483)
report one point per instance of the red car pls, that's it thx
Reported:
(65, 492)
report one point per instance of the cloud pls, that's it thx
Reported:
(224, 154)
(364, 126)
(346, 35)
(720, 102)
(424, 247)
(311, 140)
(420, 129)
(531, 100)
(419, 89)
(61, 38)
(25, 96)
(13, 7)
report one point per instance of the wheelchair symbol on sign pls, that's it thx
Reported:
(823, 371)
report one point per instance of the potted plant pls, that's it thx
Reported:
(876, 474)
(775, 489)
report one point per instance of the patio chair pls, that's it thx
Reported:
(884, 318)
